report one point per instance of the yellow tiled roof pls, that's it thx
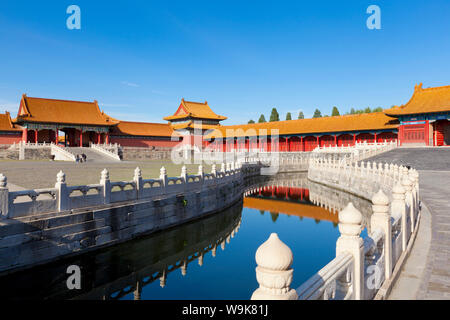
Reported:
(193, 125)
(426, 100)
(62, 111)
(6, 123)
(355, 122)
(194, 110)
(144, 129)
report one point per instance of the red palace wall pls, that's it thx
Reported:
(295, 144)
(10, 138)
(310, 143)
(345, 140)
(386, 136)
(326, 141)
(136, 142)
(414, 133)
(368, 137)
(442, 133)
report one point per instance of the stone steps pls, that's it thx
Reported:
(91, 154)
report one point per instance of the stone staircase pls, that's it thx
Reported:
(91, 154)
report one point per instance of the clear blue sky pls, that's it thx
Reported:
(139, 58)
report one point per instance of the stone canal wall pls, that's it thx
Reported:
(68, 220)
(145, 153)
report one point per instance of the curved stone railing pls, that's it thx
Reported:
(61, 153)
(62, 198)
(105, 149)
(363, 268)
(363, 179)
(360, 148)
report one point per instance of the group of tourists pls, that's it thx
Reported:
(80, 158)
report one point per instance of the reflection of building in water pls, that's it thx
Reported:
(115, 272)
(294, 194)
(290, 208)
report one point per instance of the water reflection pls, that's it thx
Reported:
(139, 269)
(294, 194)
(116, 272)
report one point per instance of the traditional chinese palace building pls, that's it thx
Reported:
(193, 120)
(9, 132)
(305, 134)
(423, 120)
(81, 122)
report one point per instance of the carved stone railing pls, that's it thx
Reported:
(361, 149)
(392, 227)
(61, 153)
(63, 197)
(106, 150)
(323, 285)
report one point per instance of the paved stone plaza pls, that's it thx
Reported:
(426, 274)
(42, 174)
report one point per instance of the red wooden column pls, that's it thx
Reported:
(375, 137)
(302, 147)
(427, 132)
(36, 135)
(107, 138)
(24, 135)
(335, 140)
(99, 136)
(318, 142)
(81, 138)
(354, 139)
(288, 149)
(56, 136)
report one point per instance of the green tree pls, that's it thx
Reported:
(379, 109)
(274, 216)
(251, 121)
(262, 119)
(274, 116)
(335, 112)
(367, 110)
(301, 115)
(317, 114)
(288, 116)
(352, 111)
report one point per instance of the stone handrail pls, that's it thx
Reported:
(104, 149)
(362, 179)
(61, 153)
(322, 286)
(374, 147)
(64, 198)
(392, 226)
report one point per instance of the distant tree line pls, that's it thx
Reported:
(275, 116)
